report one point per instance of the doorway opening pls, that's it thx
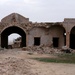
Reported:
(10, 30)
(36, 41)
(72, 38)
(55, 42)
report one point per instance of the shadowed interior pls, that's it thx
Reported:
(10, 30)
(72, 38)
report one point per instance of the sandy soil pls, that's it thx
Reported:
(17, 62)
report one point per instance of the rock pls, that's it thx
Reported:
(41, 49)
(66, 49)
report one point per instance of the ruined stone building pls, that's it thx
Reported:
(55, 34)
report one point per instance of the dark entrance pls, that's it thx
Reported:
(10, 30)
(55, 41)
(72, 41)
(72, 38)
(36, 41)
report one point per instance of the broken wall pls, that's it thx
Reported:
(40, 32)
(57, 32)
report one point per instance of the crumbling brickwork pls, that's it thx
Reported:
(53, 34)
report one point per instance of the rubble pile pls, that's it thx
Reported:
(41, 49)
(67, 50)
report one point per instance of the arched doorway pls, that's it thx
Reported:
(72, 38)
(58, 35)
(10, 30)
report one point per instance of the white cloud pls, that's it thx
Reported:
(30, 1)
(12, 37)
(39, 10)
(4, 1)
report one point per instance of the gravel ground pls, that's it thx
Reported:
(18, 62)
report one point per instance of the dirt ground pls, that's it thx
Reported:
(18, 62)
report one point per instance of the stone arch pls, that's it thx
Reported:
(12, 26)
(58, 35)
(9, 30)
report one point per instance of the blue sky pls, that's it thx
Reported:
(39, 10)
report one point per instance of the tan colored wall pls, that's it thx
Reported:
(39, 32)
(57, 31)
(47, 35)
(68, 23)
(46, 31)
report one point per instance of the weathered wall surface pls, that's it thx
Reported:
(57, 31)
(68, 23)
(39, 32)
(15, 18)
(45, 31)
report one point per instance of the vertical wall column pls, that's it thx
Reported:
(27, 39)
(68, 39)
(0, 40)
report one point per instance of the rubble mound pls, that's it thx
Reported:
(41, 49)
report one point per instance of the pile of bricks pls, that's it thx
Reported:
(41, 49)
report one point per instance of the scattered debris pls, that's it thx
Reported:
(41, 49)
(66, 49)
